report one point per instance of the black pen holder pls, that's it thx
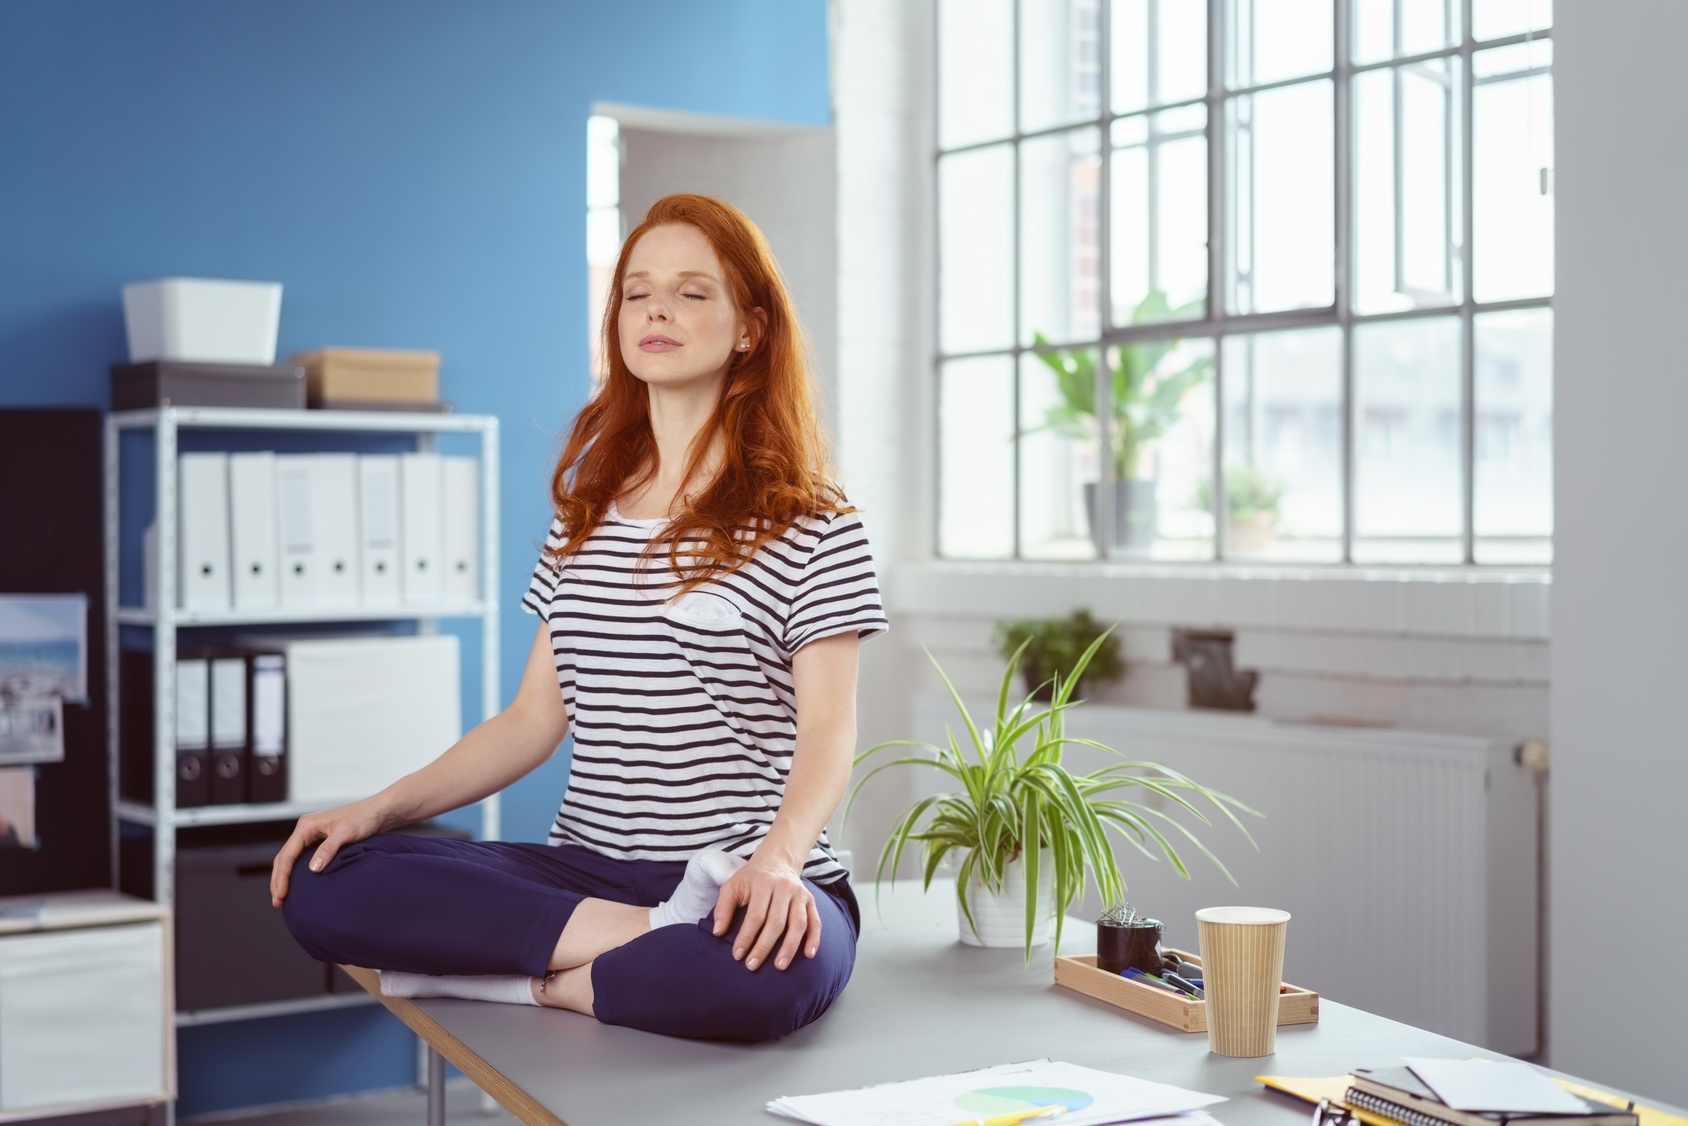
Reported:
(1136, 943)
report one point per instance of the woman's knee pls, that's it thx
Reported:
(779, 1002)
(683, 981)
(318, 904)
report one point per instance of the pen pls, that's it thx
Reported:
(1014, 1117)
(1132, 973)
(1183, 983)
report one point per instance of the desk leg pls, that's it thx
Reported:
(436, 1088)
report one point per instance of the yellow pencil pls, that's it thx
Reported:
(1014, 1118)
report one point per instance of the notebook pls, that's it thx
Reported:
(1377, 1089)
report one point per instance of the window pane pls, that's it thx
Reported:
(1058, 454)
(1514, 436)
(976, 458)
(1283, 446)
(1060, 63)
(1060, 251)
(1425, 26)
(1497, 61)
(603, 227)
(1158, 225)
(1283, 242)
(1512, 182)
(1407, 197)
(1277, 39)
(1492, 19)
(1407, 441)
(1159, 52)
(976, 250)
(1161, 438)
(975, 71)
(1428, 26)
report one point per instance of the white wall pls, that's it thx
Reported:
(881, 87)
(1620, 757)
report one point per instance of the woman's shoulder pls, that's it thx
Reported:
(810, 528)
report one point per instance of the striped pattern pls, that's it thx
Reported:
(683, 709)
(1242, 968)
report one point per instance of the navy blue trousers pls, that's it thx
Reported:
(431, 906)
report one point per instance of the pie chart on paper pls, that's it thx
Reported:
(1008, 1100)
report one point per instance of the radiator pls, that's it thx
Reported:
(1407, 860)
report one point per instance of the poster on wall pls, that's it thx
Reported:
(31, 729)
(44, 646)
(17, 807)
(43, 663)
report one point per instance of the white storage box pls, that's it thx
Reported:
(202, 320)
(84, 1019)
(364, 711)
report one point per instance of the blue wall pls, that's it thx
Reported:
(414, 172)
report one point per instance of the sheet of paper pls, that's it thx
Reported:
(1091, 1098)
(17, 807)
(1506, 1086)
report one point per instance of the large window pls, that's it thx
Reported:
(1264, 280)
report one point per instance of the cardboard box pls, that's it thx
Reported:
(370, 377)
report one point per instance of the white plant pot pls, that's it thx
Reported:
(999, 918)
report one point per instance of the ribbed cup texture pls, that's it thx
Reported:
(1242, 951)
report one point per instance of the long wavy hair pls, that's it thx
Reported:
(775, 467)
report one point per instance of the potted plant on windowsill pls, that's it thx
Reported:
(1251, 507)
(1051, 647)
(1146, 402)
(1024, 830)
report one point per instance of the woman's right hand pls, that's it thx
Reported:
(334, 828)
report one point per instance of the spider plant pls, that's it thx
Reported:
(1017, 799)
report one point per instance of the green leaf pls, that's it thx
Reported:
(1031, 833)
(1015, 798)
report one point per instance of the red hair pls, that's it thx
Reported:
(774, 468)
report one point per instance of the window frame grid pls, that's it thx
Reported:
(1219, 323)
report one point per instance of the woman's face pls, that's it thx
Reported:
(678, 325)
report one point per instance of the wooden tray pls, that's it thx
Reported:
(1079, 972)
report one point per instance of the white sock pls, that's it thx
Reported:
(698, 890)
(514, 990)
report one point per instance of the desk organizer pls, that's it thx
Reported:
(1079, 972)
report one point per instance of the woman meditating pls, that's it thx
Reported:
(702, 593)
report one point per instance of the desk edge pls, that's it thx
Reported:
(488, 1078)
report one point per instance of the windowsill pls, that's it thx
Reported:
(1235, 572)
(1511, 603)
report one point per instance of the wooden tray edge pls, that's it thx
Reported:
(1078, 972)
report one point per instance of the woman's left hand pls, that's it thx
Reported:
(776, 903)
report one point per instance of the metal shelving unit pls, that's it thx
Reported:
(165, 425)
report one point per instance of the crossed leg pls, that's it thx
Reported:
(425, 906)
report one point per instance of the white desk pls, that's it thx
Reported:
(918, 1004)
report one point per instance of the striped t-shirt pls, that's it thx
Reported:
(683, 709)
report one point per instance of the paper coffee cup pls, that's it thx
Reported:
(1242, 951)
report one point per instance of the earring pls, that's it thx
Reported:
(744, 347)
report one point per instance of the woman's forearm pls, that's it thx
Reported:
(824, 673)
(490, 757)
(820, 773)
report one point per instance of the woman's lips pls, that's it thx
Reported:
(657, 344)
